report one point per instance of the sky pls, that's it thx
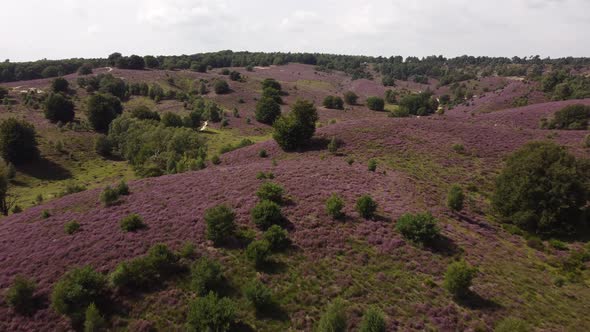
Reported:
(56, 29)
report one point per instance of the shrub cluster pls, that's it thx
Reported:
(210, 313)
(366, 207)
(220, 222)
(102, 109)
(573, 117)
(458, 278)
(58, 107)
(333, 102)
(206, 276)
(334, 206)
(373, 321)
(259, 252)
(267, 110)
(297, 128)
(271, 191)
(18, 142)
(455, 198)
(277, 238)
(350, 98)
(267, 213)
(419, 228)
(20, 295)
(375, 103)
(132, 223)
(71, 227)
(258, 295)
(334, 318)
(419, 104)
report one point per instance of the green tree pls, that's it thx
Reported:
(136, 62)
(419, 228)
(151, 61)
(93, 322)
(334, 206)
(297, 128)
(271, 83)
(366, 207)
(58, 107)
(542, 188)
(375, 103)
(266, 213)
(60, 84)
(20, 295)
(258, 252)
(571, 117)
(455, 198)
(206, 276)
(170, 119)
(18, 143)
(373, 321)
(220, 87)
(102, 109)
(458, 278)
(210, 313)
(350, 98)
(220, 222)
(267, 110)
(334, 318)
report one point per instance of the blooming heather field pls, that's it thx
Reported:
(364, 262)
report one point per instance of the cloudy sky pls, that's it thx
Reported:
(35, 29)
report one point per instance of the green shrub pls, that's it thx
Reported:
(143, 112)
(366, 207)
(206, 276)
(373, 321)
(60, 84)
(146, 271)
(573, 117)
(271, 191)
(210, 313)
(71, 227)
(132, 223)
(372, 165)
(220, 222)
(333, 102)
(459, 148)
(350, 98)
(20, 295)
(455, 198)
(419, 228)
(102, 109)
(58, 107)
(18, 142)
(109, 196)
(215, 160)
(375, 103)
(258, 252)
(76, 290)
(535, 243)
(334, 206)
(273, 94)
(170, 119)
(296, 128)
(220, 87)
(85, 69)
(103, 146)
(93, 321)
(458, 278)
(45, 214)
(511, 324)
(334, 318)
(258, 295)
(267, 110)
(277, 238)
(419, 104)
(542, 189)
(399, 113)
(187, 251)
(271, 83)
(266, 213)
(123, 188)
(333, 145)
(557, 244)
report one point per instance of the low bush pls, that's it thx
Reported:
(76, 290)
(109, 196)
(187, 251)
(455, 198)
(458, 278)
(103, 146)
(71, 227)
(536, 243)
(266, 213)
(210, 313)
(271, 191)
(20, 295)
(262, 153)
(573, 117)
(557, 244)
(373, 321)
(258, 295)
(375, 103)
(144, 113)
(93, 321)
(366, 207)
(258, 252)
(132, 223)
(206, 276)
(334, 206)
(123, 188)
(333, 145)
(170, 119)
(419, 228)
(277, 238)
(334, 318)
(511, 324)
(372, 165)
(333, 102)
(350, 98)
(221, 87)
(220, 222)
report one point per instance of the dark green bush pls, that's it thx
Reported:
(333, 102)
(262, 153)
(132, 223)
(170, 119)
(297, 128)
(103, 146)
(58, 107)
(266, 213)
(458, 278)
(85, 69)
(542, 189)
(571, 117)
(271, 191)
(60, 84)
(271, 83)
(334, 318)
(372, 165)
(455, 198)
(20, 295)
(93, 321)
(373, 321)
(220, 87)
(375, 103)
(45, 214)
(206, 276)
(334, 206)
(350, 98)
(419, 228)
(419, 104)
(144, 113)
(277, 238)
(71, 227)
(109, 196)
(258, 252)
(366, 207)
(220, 222)
(18, 143)
(273, 94)
(123, 188)
(210, 313)
(267, 110)
(258, 295)
(76, 290)
(102, 109)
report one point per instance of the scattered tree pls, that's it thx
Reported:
(419, 228)
(60, 85)
(334, 206)
(220, 222)
(20, 295)
(266, 213)
(366, 207)
(102, 109)
(206, 276)
(58, 108)
(210, 313)
(350, 98)
(458, 278)
(267, 110)
(375, 103)
(455, 198)
(18, 143)
(333, 102)
(297, 128)
(220, 87)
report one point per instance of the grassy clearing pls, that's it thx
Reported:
(314, 85)
(218, 138)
